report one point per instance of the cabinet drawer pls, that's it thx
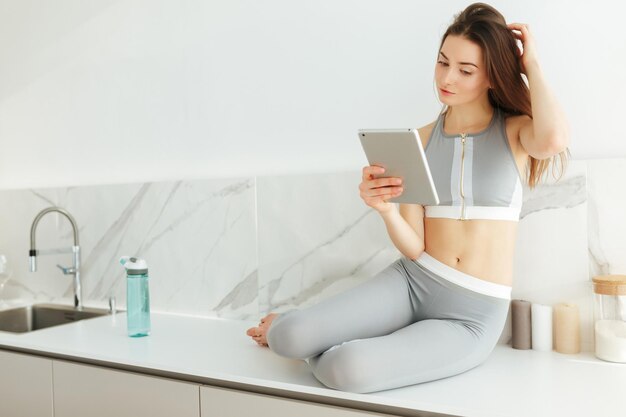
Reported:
(25, 385)
(84, 390)
(224, 402)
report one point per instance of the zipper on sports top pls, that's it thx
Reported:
(463, 136)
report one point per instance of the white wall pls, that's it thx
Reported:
(104, 91)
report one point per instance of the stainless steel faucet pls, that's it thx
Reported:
(75, 250)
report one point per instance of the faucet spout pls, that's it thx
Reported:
(75, 269)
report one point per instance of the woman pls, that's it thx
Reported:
(440, 310)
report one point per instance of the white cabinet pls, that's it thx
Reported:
(26, 390)
(84, 390)
(223, 402)
(25, 385)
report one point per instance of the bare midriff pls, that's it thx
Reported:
(481, 248)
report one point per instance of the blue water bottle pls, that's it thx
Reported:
(137, 296)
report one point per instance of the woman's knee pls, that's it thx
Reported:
(345, 368)
(287, 336)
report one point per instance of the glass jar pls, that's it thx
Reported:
(609, 311)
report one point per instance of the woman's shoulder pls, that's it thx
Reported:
(513, 124)
(515, 118)
(425, 132)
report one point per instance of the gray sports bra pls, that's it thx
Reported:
(475, 174)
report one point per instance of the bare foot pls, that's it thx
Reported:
(258, 333)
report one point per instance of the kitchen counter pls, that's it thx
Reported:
(217, 351)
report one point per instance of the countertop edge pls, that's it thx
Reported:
(280, 390)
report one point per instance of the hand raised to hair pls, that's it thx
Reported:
(529, 52)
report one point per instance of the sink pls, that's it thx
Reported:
(40, 316)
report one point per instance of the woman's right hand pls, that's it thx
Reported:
(376, 191)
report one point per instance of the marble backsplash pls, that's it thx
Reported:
(239, 248)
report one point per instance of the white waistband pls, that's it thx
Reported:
(474, 212)
(464, 280)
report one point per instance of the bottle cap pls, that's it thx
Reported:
(134, 266)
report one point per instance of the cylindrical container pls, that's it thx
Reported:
(566, 328)
(137, 297)
(541, 316)
(521, 324)
(609, 310)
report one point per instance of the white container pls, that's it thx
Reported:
(609, 310)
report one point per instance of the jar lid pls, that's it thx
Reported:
(609, 284)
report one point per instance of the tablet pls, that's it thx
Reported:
(400, 152)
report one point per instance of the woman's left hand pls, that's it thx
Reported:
(528, 53)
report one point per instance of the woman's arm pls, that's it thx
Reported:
(406, 228)
(547, 133)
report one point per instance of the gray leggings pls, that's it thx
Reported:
(413, 322)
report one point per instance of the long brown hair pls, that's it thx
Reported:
(486, 27)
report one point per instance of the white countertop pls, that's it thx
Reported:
(510, 383)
